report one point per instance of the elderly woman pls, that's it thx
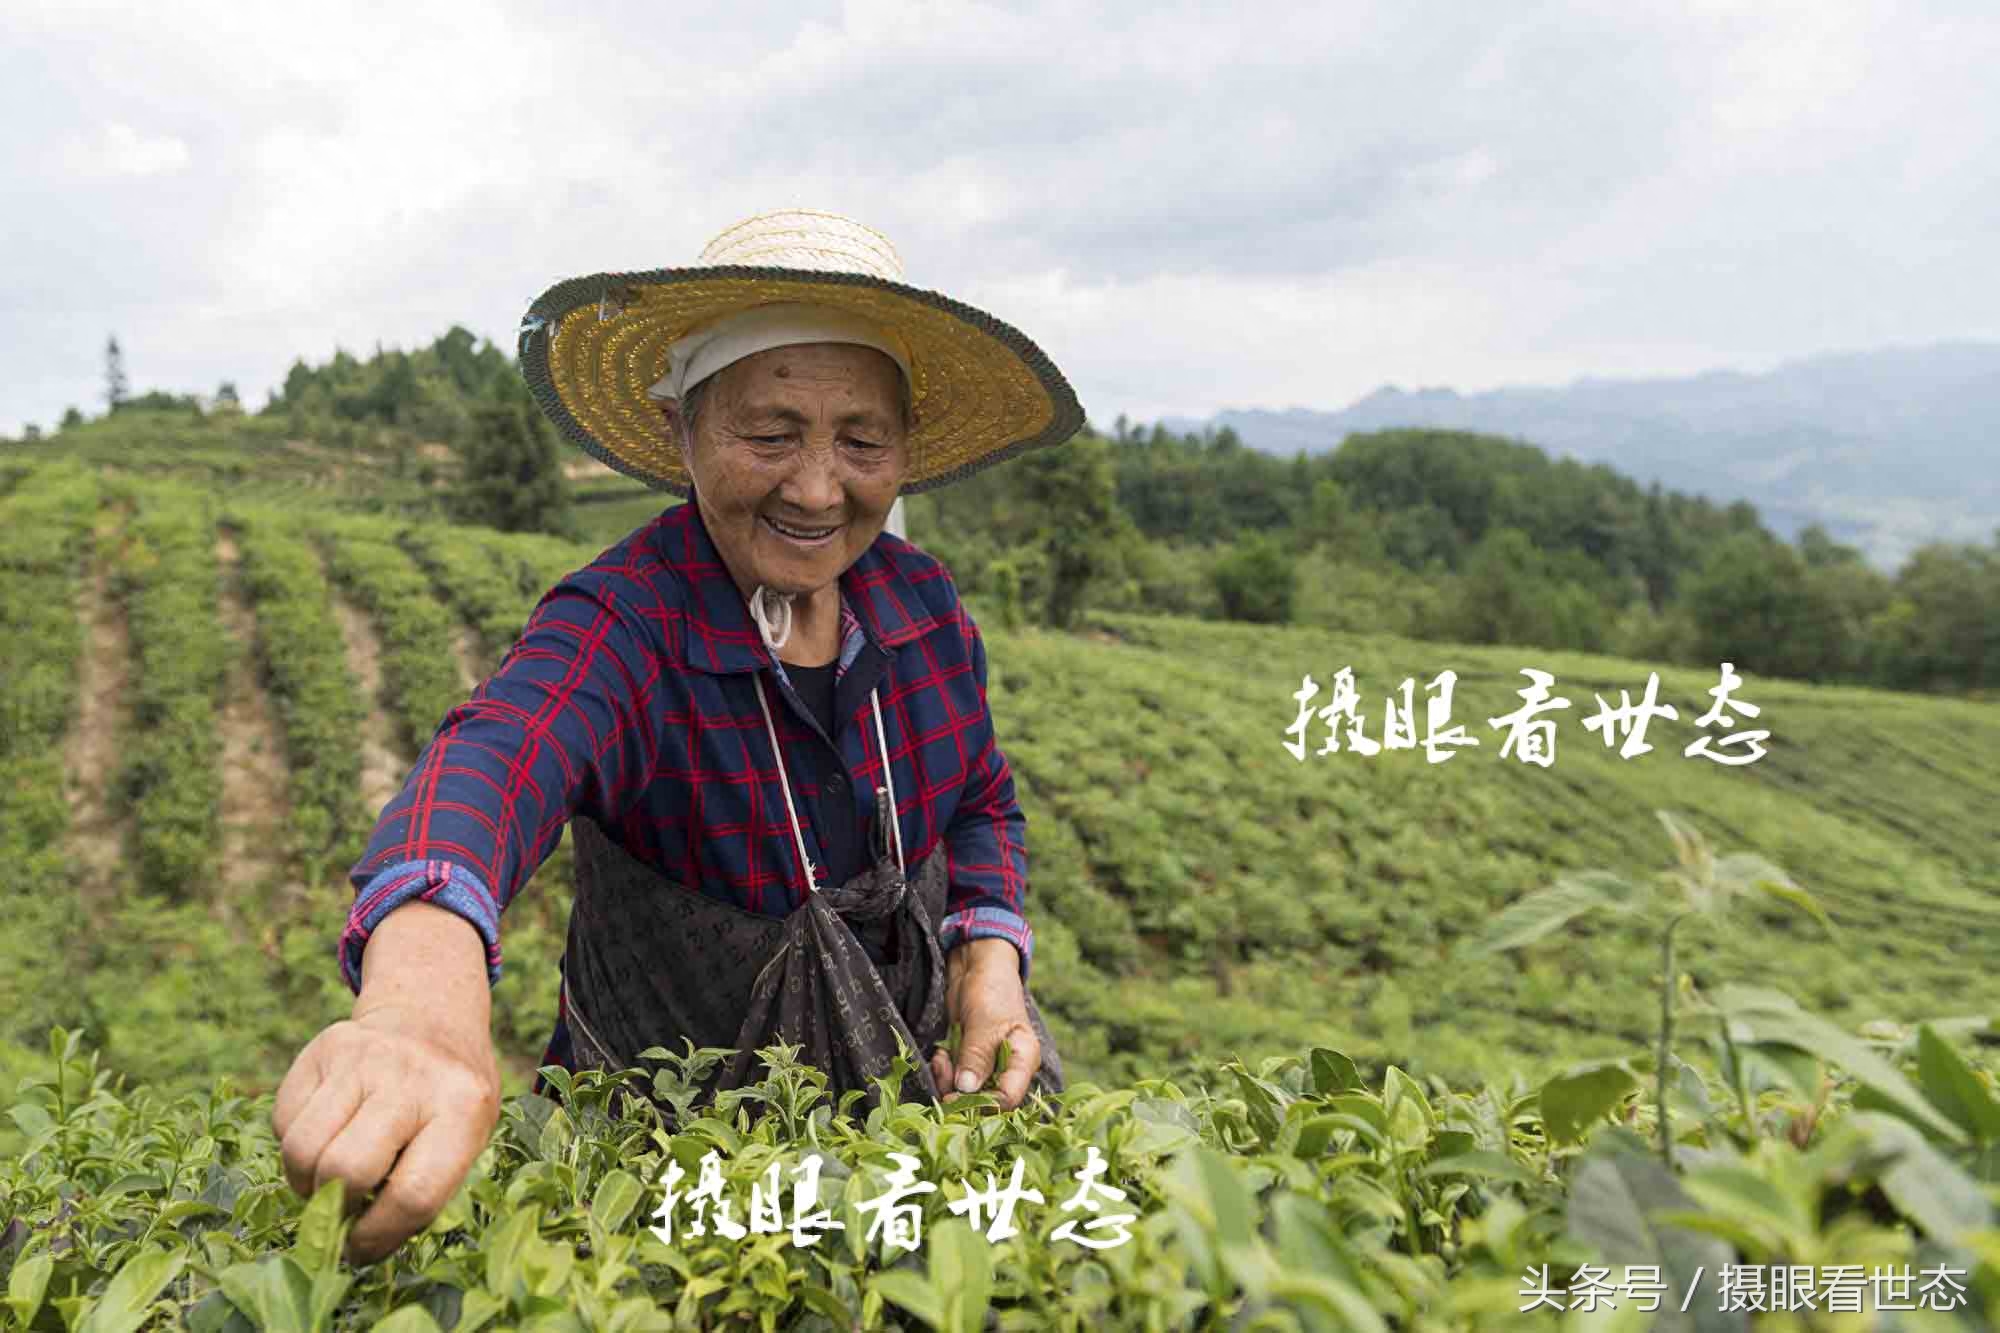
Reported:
(763, 718)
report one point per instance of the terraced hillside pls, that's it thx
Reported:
(210, 679)
(209, 691)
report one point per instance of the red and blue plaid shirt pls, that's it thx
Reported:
(629, 698)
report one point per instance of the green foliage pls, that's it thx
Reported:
(1183, 865)
(428, 391)
(1398, 531)
(1510, 592)
(1256, 581)
(1183, 862)
(1699, 888)
(485, 586)
(513, 477)
(416, 630)
(1073, 490)
(1297, 1193)
(172, 781)
(1941, 628)
(300, 646)
(45, 531)
(1194, 866)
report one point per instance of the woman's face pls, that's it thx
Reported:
(797, 455)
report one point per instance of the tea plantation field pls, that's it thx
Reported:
(1333, 1108)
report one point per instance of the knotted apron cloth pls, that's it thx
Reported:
(651, 962)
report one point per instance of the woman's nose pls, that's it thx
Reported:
(814, 484)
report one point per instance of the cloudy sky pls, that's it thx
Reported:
(1190, 207)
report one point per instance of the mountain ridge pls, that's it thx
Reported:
(1886, 448)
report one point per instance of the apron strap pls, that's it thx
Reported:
(889, 781)
(785, 783)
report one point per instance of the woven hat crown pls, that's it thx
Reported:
(807, 239)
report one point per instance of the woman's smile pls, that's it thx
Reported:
(807, 537)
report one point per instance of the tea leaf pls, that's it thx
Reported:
(913, 1293)
(1333, 1072)
(1763, 1016)
(961, 1273)
(1954, 1089)
(1482, 1164)
(1615, 1204)
(1573, 1102)
(1924, 1185)
(1548, 910)
(26, 1286)
(272, 1292)
(617, 1194)
(322, 1229)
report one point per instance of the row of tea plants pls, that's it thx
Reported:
(1305, 1193)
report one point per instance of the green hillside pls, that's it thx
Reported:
(220, 649)
(239, 654)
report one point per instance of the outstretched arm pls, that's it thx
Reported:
(403, 1096)
(987, 940)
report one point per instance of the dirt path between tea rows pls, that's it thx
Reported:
(256, 812)
(465, 651)
(104, 714)
(383, 765)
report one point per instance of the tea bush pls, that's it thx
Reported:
(172, 779)
(319, 703)
(416, 630)
(1304, 1193)
(45, 533)
(486, 592)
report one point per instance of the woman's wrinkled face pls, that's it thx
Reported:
(797, 455)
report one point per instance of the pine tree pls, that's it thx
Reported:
(114, 375)
(513, 470)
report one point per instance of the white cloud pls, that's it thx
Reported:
(1190, 207)
(120, 150)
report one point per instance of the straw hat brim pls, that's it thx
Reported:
(591, 347)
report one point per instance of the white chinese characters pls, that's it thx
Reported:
(1752, 1288)
(895, 1215)
(1527, 735)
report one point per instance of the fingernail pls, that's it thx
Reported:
(967, 1081)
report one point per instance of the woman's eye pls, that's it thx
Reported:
(869, 445)
(770, 439)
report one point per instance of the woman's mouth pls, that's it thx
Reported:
(802, 536)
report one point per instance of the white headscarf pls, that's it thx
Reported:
(785, 324)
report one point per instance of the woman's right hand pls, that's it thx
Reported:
(400, 1099)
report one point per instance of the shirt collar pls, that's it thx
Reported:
(722, 639)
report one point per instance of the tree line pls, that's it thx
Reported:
(1433, 534)
(1462, 537)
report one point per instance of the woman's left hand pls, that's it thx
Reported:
(984, 996)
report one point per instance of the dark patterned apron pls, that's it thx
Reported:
(651, 962)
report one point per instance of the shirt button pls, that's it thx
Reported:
(836, 784)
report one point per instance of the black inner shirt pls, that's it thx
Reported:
(841, 841)
(814, 686)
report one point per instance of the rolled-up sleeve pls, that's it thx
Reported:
(987, 836)
(567, 725)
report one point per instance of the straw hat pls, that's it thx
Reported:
(595, 349)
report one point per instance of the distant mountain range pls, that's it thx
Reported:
(1885, 449)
